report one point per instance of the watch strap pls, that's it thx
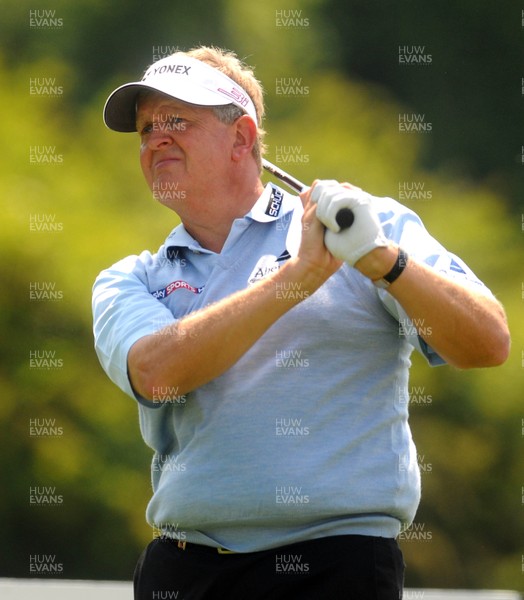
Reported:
(396, 270)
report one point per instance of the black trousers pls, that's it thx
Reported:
(350, 567)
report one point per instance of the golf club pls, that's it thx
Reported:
(345, 216)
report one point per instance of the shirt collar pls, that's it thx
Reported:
(272, 205)
(180, 238)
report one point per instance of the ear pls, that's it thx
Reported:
(245, 137)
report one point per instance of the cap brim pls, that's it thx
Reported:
(120, 107)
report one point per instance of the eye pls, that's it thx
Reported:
(146, 129)
(163, 123)
(177, 123)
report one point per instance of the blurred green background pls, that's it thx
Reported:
(337, 75)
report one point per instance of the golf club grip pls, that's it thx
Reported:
(345, 218)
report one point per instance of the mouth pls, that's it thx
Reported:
(165, 162)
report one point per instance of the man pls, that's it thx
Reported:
(269, 352)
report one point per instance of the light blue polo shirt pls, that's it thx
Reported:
(307, 434)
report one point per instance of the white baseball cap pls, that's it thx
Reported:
(179, 76)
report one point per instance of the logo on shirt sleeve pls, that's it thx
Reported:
(176, 285)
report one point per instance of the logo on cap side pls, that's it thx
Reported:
(236, 95)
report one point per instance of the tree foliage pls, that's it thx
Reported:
(86, 206)
(467, 80)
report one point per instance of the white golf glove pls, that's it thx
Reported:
(362, 236)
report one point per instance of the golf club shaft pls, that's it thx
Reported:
(286, 178)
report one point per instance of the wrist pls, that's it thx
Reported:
(301, 275)
(394, 273)
(378, 262)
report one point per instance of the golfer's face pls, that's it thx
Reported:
(183, 148)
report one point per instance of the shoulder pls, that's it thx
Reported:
(144, 260)
(132, 267)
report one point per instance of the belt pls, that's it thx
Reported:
(183, 545)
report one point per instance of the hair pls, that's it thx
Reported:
(229, 63)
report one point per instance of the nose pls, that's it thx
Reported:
(158, 139)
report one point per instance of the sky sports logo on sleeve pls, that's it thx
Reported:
(275, 203)
(176, 285)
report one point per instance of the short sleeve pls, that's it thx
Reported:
(124, 311)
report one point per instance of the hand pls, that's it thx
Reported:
(364, 235)
(313, 254)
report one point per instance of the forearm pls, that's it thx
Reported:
(464, 326)
(204, 344)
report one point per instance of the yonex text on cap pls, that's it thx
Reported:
(178, 76)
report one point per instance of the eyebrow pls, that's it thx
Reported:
(164, 109)
(167, 108)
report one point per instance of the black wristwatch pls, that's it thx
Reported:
(398, 267)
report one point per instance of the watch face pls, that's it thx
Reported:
(381, 283)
